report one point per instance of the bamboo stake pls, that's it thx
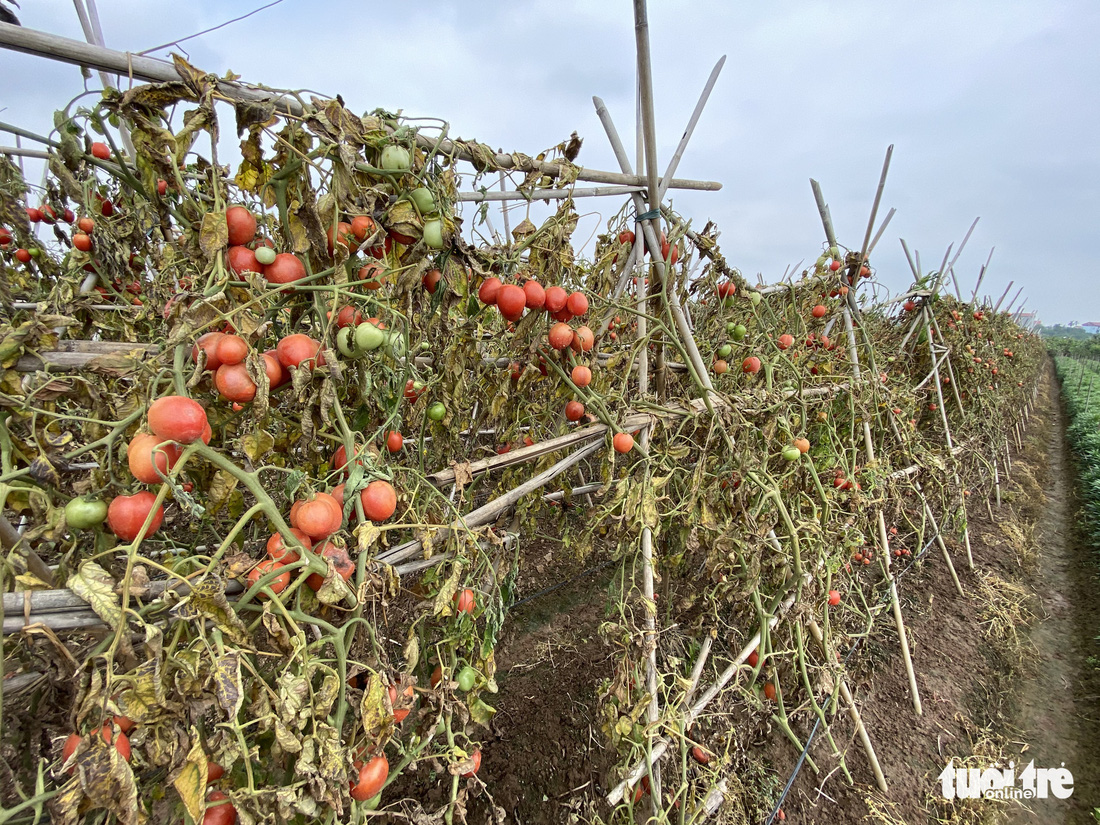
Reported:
(543, 195)
(939, 540)
(909, 258)
(996, 479)
(1014, 299)
(1003, 296)
(853, 712)
(881, 229)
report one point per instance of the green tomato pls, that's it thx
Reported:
(345, 342)
(467, 678)
(368, 337)
(739, 332)
(424, 200)
(730, 327)
(725, 351)
(437, 411)
(83, 513)
(791, 453)
(433, 234)
(395, 345)
(395, 158)
(265, 255)
(755, 297)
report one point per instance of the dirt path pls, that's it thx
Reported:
(1059, 707)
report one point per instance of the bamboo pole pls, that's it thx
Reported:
(939, 540)
(544, 194)
(1003, 296)
(881, 229)
(1015, 298)
(853, 712)
(147, 69)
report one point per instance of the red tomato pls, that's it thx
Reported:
(34, 215)
(623, 442)
(320, 516)
(362, 227)
(834, 598)
(488, 291)
(577, 304)
(126, 514)
(511, 301)
(720, 367)
(146, 454)
(626, 236)
(295, 349)
(85, 225)
(101, 150)
(242, 259)
(431, 280)
(581, 375)
(343, 236)
(348, 316)
(208, 343)
(231, 349)
(556, 299)
(574, 410)
(394, 441)
(285, 269)
(277, 549)
(82, 242)
(214, 771)
(465, 602)
(218, 811)
(818, 311)
(560, 336)
(23, 256)
(234, 383)
(476, 757)
(241, 224)
(750, 364)
(372, 777)
(276, 375)
(536, 295)
(785, 341)
(583, 339)
(700, 755)
(177, 418)
(753, 658)
(338, 554)
(769, 691)
(278, 584)
(379, 500)
(374, 276)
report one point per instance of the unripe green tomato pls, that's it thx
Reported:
(739, 332)
(395, 345)
(433, 234)
(725, 351)
(467, 678)
(791, 453)
(345, 342)
(437, 411)
(755, 297)
(395, 158)
(424, 200)
(730, 327)
(83, 513)
(34, 251)
(265, 255)
(368, 337)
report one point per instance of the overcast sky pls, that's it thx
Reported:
(993, 108)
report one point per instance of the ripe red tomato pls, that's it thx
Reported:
(583, 339)
(146, 454)
(785, 341)
(750, 364)
(623, 442)
(488, 291)
(536, 295)
(465, 601)
(214, 772)
(726, 289)
(408, 696)
(666, 248)
(560, 336)
(363, 226)
(577, 304)
(574, 410)
(82, 242)
(34, 215)
(277, 584)
(834, 598)
(242, 259)
(218, 811)
(379, 500)
(818, 311)
(285, 269)
(511, 301)
(753, 659)
(295, 349)
(277, 549)
(276, 375)
(343, 236)
(581, 375)
(834, 266)
(177, 418)
(101, 151)
(700, 755)
(126, 514)
(373, 275)
(241, 224)
(372, 776)
(86, 225)
(23, 256)
(122, 743)
(348, 316)
(320, 516)
(430, 280)
(234, 383)
(125, 723)
(769, 691)
(626, 236)
(394, 441)
(720, 367)
(208, 343)
(476, 757)
(338, 554)
(231, 349)
(556, 299)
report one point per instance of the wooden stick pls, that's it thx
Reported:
(881, 229)
(853, 711)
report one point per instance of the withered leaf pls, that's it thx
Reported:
(94, 585)
(190, 778)
(227, 683)
(214, 234)
(207, 600)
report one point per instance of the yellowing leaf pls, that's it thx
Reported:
(227, 683)
(214, 234)
(94, 585)
(256, 445)
(190, 782)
